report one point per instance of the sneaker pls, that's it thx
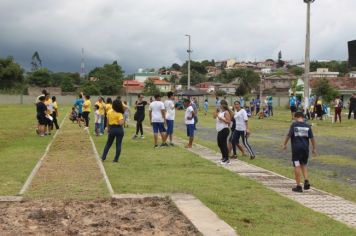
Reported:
(156, 146)
(233, 157)
(298, 189)
(172, 144)
(142, 137)
(225, 162)
(101, 134)
(134, 137)
(306, 185)
(252, 157)
(164, 145)
(86, 128)
(115, 161)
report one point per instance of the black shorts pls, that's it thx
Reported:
(300, 158)
(41, 119)
(49, 122)
(79, 115)
(293, 109)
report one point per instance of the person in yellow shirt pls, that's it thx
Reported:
(101, 105)
(86, 110)
(49, 119)
(108, 107)
(55, 112)
(115, 121)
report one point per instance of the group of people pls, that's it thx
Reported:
(46, 114)
(318, 109)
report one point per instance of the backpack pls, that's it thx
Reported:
(340, 105)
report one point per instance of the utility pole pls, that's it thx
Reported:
(307, 58)
(189, 52)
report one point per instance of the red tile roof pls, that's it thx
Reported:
(343, 83)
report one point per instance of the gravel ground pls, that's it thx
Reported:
(149, 216)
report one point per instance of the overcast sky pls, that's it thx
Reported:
(150, 33)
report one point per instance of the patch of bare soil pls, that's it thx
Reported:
(148, 216)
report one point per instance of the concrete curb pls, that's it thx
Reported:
(39, 163)
(11, 198)
(204, 219)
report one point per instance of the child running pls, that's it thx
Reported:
(300, 133)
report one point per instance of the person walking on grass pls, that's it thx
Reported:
(108, 107)
(206, 107)
(242, 131)
(338, 105)
(100, 103)
(230, 145)
(223, 119)
(49, 119)
(300, 133)
(86, 110)
(170, 116)
(352, 106)
(189, 122)
(97, 120)
(55, 112)
(41, 115)
(79, 106)
(157, 114)
(115, 121)
(292, 105)
(139, 115)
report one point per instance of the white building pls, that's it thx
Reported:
(323, 73)
(143, 76)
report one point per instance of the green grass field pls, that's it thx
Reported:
(322, 179)
(246, 205)
(20, 147)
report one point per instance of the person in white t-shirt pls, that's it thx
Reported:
(223, 120)
(241, 129)
(157, 114)
(189, 122)
(170, 116)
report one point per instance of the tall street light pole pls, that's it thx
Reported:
(307, 57)
(189, 52)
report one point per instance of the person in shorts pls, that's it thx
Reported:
(189, 122)
(41, 109)
(292, 104)
(170, 116)
(157, 114)
(300, 133)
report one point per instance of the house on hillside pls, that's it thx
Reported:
(133, 87)
(345, 85)
(229, 88)
(278, 84)
(323, 73)
(208, 87)
(162, 85)
(143, 76)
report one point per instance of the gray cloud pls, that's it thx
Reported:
(150, 33)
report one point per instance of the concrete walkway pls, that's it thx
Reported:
(320, 201)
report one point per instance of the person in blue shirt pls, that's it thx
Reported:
(206, 107)
(270, 106)
(79, 106)
(258, 105)
(293, 104)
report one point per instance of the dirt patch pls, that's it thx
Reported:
(148, 216)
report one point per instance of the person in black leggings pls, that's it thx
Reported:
(86, 110)
(139, 116)
(223, 119)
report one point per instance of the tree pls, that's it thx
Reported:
(323, 88)
(109, 78)
(175, 66)
(41, 78)
(242, 90)
(296, 70)
(150, 88)
(90, 88)
(11, 73)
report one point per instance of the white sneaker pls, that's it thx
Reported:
(142, 137)
(86, 128)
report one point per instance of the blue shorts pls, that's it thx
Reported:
(170, 125)
(158, 127)
(190, 130)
